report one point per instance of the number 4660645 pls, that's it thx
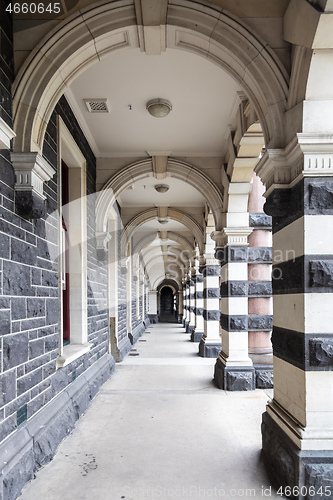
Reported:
(33, 8)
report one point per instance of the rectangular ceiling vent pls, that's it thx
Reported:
(97, 105)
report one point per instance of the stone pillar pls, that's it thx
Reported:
(260, 278)
(191, 296)
(210, 343)
(297, 428)
(152, 314)
(180, 306)
(184, 302)
(187, 304)
(234, 369)
(199, 308)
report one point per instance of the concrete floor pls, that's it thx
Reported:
(160, 429)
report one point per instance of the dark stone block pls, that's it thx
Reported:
(28, 381)
(260, 255)
(52, 311)
(237, 254)
(35, 307)
(320, 478)
(199, 295)
(16, 280)
(236, 289)
(15, 350)
(16, 478)
(196, 336)
(36, 348)
(30, 205)
(264, 377)
(211, 293)
(59, 381)
(260, 288)
(4, 246)
(211, 271)
(321, 273)
(234, 323)
(51, 342)
(235, 378)
(278, 203)
(260, 323)
(4, 322)
(189, 328)
(198, 311)
(320, 196)
(289, 346)
(321, 352)
(49, 278)
(209, 350)
(211, 315)
(7, 387)
(260, 221)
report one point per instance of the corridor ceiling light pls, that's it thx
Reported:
(159, 107)
(161, 188)
(163, 221)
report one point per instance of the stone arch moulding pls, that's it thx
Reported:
(142, 169)
(159, 281)
(151, 214)
(93, 32)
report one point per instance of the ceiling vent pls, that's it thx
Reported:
(97, 105)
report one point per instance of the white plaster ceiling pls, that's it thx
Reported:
(143, 194)
(203, 96)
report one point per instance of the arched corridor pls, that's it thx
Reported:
(162, 449)
(166, 205)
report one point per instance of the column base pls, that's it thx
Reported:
(209, 350)
(120, 350)
(234, 378)
(153, 318)
(186, 323)
(308, 474)
(189, 328)
(264, 376)
(136, 333)
(196, 336)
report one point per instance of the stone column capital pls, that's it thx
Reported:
(231, 236)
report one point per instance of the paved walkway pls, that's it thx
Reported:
(159, 429)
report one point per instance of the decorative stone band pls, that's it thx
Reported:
(309, 352)
(260, 221)
(198, 278)
(31, 171)
(211, 315)
(246, 289)
(198, 295)
(246, 323)
(211, 293)
(305, 156)
(310, 196)
(6, 135)
(257, 255)
(305, 274)
(198, 311)
(210, 271)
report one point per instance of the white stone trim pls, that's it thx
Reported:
(31, 171)
(72, 352)
(6, 135)
(70, 153)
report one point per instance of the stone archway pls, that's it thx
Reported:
(92, 33)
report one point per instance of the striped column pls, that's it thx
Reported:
(187, 304)
(184, 302)
(191, 324)
(199, 308)
(234, 369)
(210, 343)
(297, 427)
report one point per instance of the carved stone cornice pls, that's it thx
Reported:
(307, 155)
(231, 236)
(6, 135)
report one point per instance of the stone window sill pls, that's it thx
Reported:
(71, 352)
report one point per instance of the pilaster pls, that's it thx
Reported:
(297, 427)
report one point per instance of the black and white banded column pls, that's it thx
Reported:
(210, 343)
(297, 427)
(191, 305)
(234, 369)
(199, 307)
